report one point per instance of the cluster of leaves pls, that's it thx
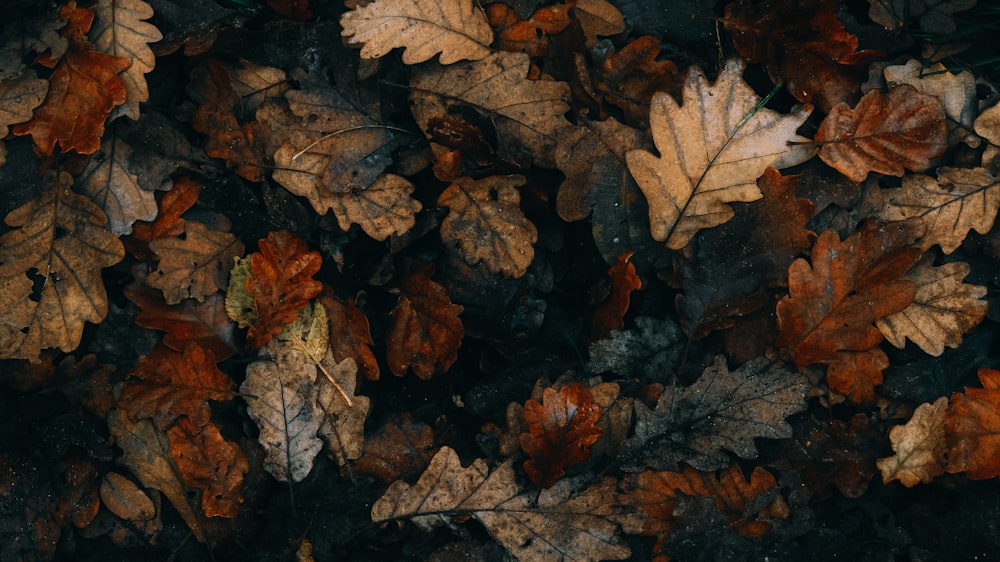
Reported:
(614, 285)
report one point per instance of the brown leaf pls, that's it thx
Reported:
(195, 266)
(350, 334)
(598, 18)
(883, 134)
(168, 384)
(89, 383)
(629, 77)
(227, 138)
(50, 272)
(174, 203)
(832, 304)
(83, 90)
(935, 16)
(119, 30)
(527, 36)
(124, 498)
(19, 97)
(487, 225)
(426, 330)
(919, 445)
(110, 182)
(344, 413)
(561, 430)
(972, 427)
(297, 10)
(400, 448)
(611, 314)
(210, 463)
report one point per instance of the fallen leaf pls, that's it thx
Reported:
(50, 272)
(109, 182)
(120, 31)
(834, 453)
(455, 28)
(182, 196)
(956, 92)
(654, 347)
(957, 201)
(343, 426)
(598, 18)
(538, 527)
(935, 16)
(168, 384)
(561, 430)
(972, 429)
(255, 84)
(88, 382)
(401, 447)
(426, 329)
(883, 133)
(722, 410)
(194, 266)
(611, 314)
(350, 334)
(919, 445)
(384, 208)
(987, 125)
(828, 315)
(211, 464)
(530, 35)
(943, 308)
(712, 150)
(487, 225)
(297, 10)
(123, 497)
(629, 77)
(83, 90)
(227, 138)
(19, 97)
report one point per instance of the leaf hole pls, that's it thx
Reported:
(37, 284)
(61, 233)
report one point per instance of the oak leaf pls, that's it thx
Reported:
(126, 500)
(182, 196)
(426, 330)
(255, 84)
(455, 28)
(721, 410)
(712, 150)
(972, 427)
(611, 314)
(110, 182)
(653, 347)
(50, 272)
(832, 304)
(228, 140)
(527, 114)
(530, 35)
(350, 333)
(598, 18)
(211, 464)
(957, 201)
(343, 426)
(883, 133)
(487, 225)
(401, 447)
(542, 526)
(83, 90)
(956, 92)
(919, 445)
(194, 266)
(120, 31)
(935, 16)
(628, 78)
(562, 427)
(943, 308)
(19, 96)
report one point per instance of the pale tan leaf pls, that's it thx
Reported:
(487, 225)
(455, 28)
(119, 31)
(956, 92)
(959, 200)
(110, 183)
(18, 99)
(987, 125)
(343, 426)
(598, 17)
(527, 114)
(254, 84)
(50, 272)
(384, 208)
(943, 308)
(194, 266)
(919, 445)
(712, 150)
(126, 500)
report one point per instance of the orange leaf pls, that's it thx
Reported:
(173, 384)
(83, 90)
(610, 315)
(629, 78)
(972, 426)
(281, 283)
(181, 197)
(227, 138)
(829, 313)
(426, 330)
(527, 36)
(210, 463)
(562, 429)
(883, 133)
(350, 335)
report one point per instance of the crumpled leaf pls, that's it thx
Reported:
(972, 426)
(83, 90)
(722, 410)
(455, 28)
(828, 315)
(712, 150)
(562, 427)
(527, 114)
(487, 225)
(50, 272)
(210, 463)
(883, 133)
(919, 445)
(957, 201)
(182, 196)
(401, 447)
(195, 266)
(936, 16)
(110, 182)
(543, 527)
(119, 31)
(943, 308)
(343, 426)
(426, 329)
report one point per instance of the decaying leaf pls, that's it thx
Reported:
(455, 28)
(531, 35)
(538, 527)
(110, 183)
(426, 330)
(487, 225)
(629, 77)
(943, 308)
(972, 426)
(350, 333)
(208, 462)
(18, 99)
(598, 18)
(722, 410)
(611, 314)
(50, 272)
(956, 92)
(562, 427)
(712, 150)
(124, 498)
(343, 426)
(883, 133)
(401, 447)
(935, 16)
(227, 138)
(919, 445)
(653, 348)
(194, 266)
(120, 31)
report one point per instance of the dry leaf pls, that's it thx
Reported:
(611, 314)
(561, 430)
(919, 445)
(487, 225)
(598, 17)
(935, 16)
(110, 183)
(956, 92)
(18, 99)
(972, 426)
(123, 498)
(943, 308)
(195, 266)
(227, 138)
(628, 78)
(343, 426)
(50, 272)
(883, 133)
(426, 329)
(210, 463)
(350, 334)
(712, 150)
(455, 28)
(119, 31)
(401, 447)
(531, 35)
